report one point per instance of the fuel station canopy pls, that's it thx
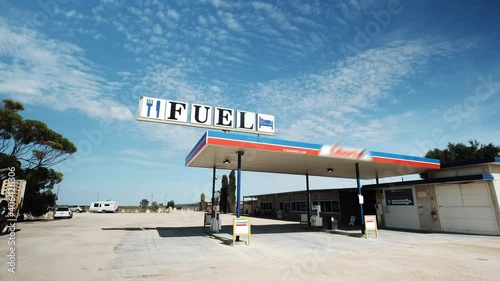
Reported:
(263, 154)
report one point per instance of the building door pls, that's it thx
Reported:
(466, 208)
(287, 210)
(425, 203)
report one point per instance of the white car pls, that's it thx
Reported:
(77, 209)
(63, 212)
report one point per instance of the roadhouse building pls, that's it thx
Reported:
(460, 197)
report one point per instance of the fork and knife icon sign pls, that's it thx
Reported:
(149, 103)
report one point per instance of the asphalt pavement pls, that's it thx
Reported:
(174, 246)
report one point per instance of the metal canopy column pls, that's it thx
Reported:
(358, 182)
(238, 188)
(308, 198)
(213, 193)
(238, 184)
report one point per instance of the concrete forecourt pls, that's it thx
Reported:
(173, 246)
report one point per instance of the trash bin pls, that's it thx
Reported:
(329, 221)
(334, 223)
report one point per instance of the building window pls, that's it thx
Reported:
(299, 206)
(328, 206)
(266, 206)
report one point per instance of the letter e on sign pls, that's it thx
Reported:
(224, 117)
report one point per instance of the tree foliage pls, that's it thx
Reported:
(30, 142)
(154, 206)
(203, 204)
(144, 204)
(32, 148)
(38, 196)
(462, 152)
(223, 194)
(231, 195)
(171, 203)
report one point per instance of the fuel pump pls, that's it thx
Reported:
(316, 219)
(215, 224)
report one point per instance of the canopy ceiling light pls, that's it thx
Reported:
(329, 170)
(226, 161)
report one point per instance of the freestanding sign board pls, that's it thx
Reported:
(208, 220)
(241, 227)
(371, 224)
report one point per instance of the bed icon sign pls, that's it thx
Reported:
(265, 123)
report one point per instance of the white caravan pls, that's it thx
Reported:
(103, 207)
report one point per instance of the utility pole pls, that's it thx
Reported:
(57, 194)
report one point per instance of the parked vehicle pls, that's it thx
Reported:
(77, 209)
(63, 213)
(103, 207)
(11, 201)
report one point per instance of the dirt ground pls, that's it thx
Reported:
(173, 246)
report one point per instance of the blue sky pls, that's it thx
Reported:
(396, 76)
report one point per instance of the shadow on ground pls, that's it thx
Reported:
(166, 232)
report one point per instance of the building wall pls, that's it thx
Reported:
(494, 187)
(495, 170)
(400, 216)
(461, 207)
(289, 201)
(460, 171)
(467, 207)
(495, 197)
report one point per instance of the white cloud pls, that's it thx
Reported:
(231, 22)
(344, 100)
(157, 29)
(173, 14)
(146, 162)
(216, 89)
(71, 13)
(177, 140)
(111, 2)
(275, 15)
(146, 154)
(350, 9)
(53, 73)
(202, 20)
(176, 83)
(269, 8)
